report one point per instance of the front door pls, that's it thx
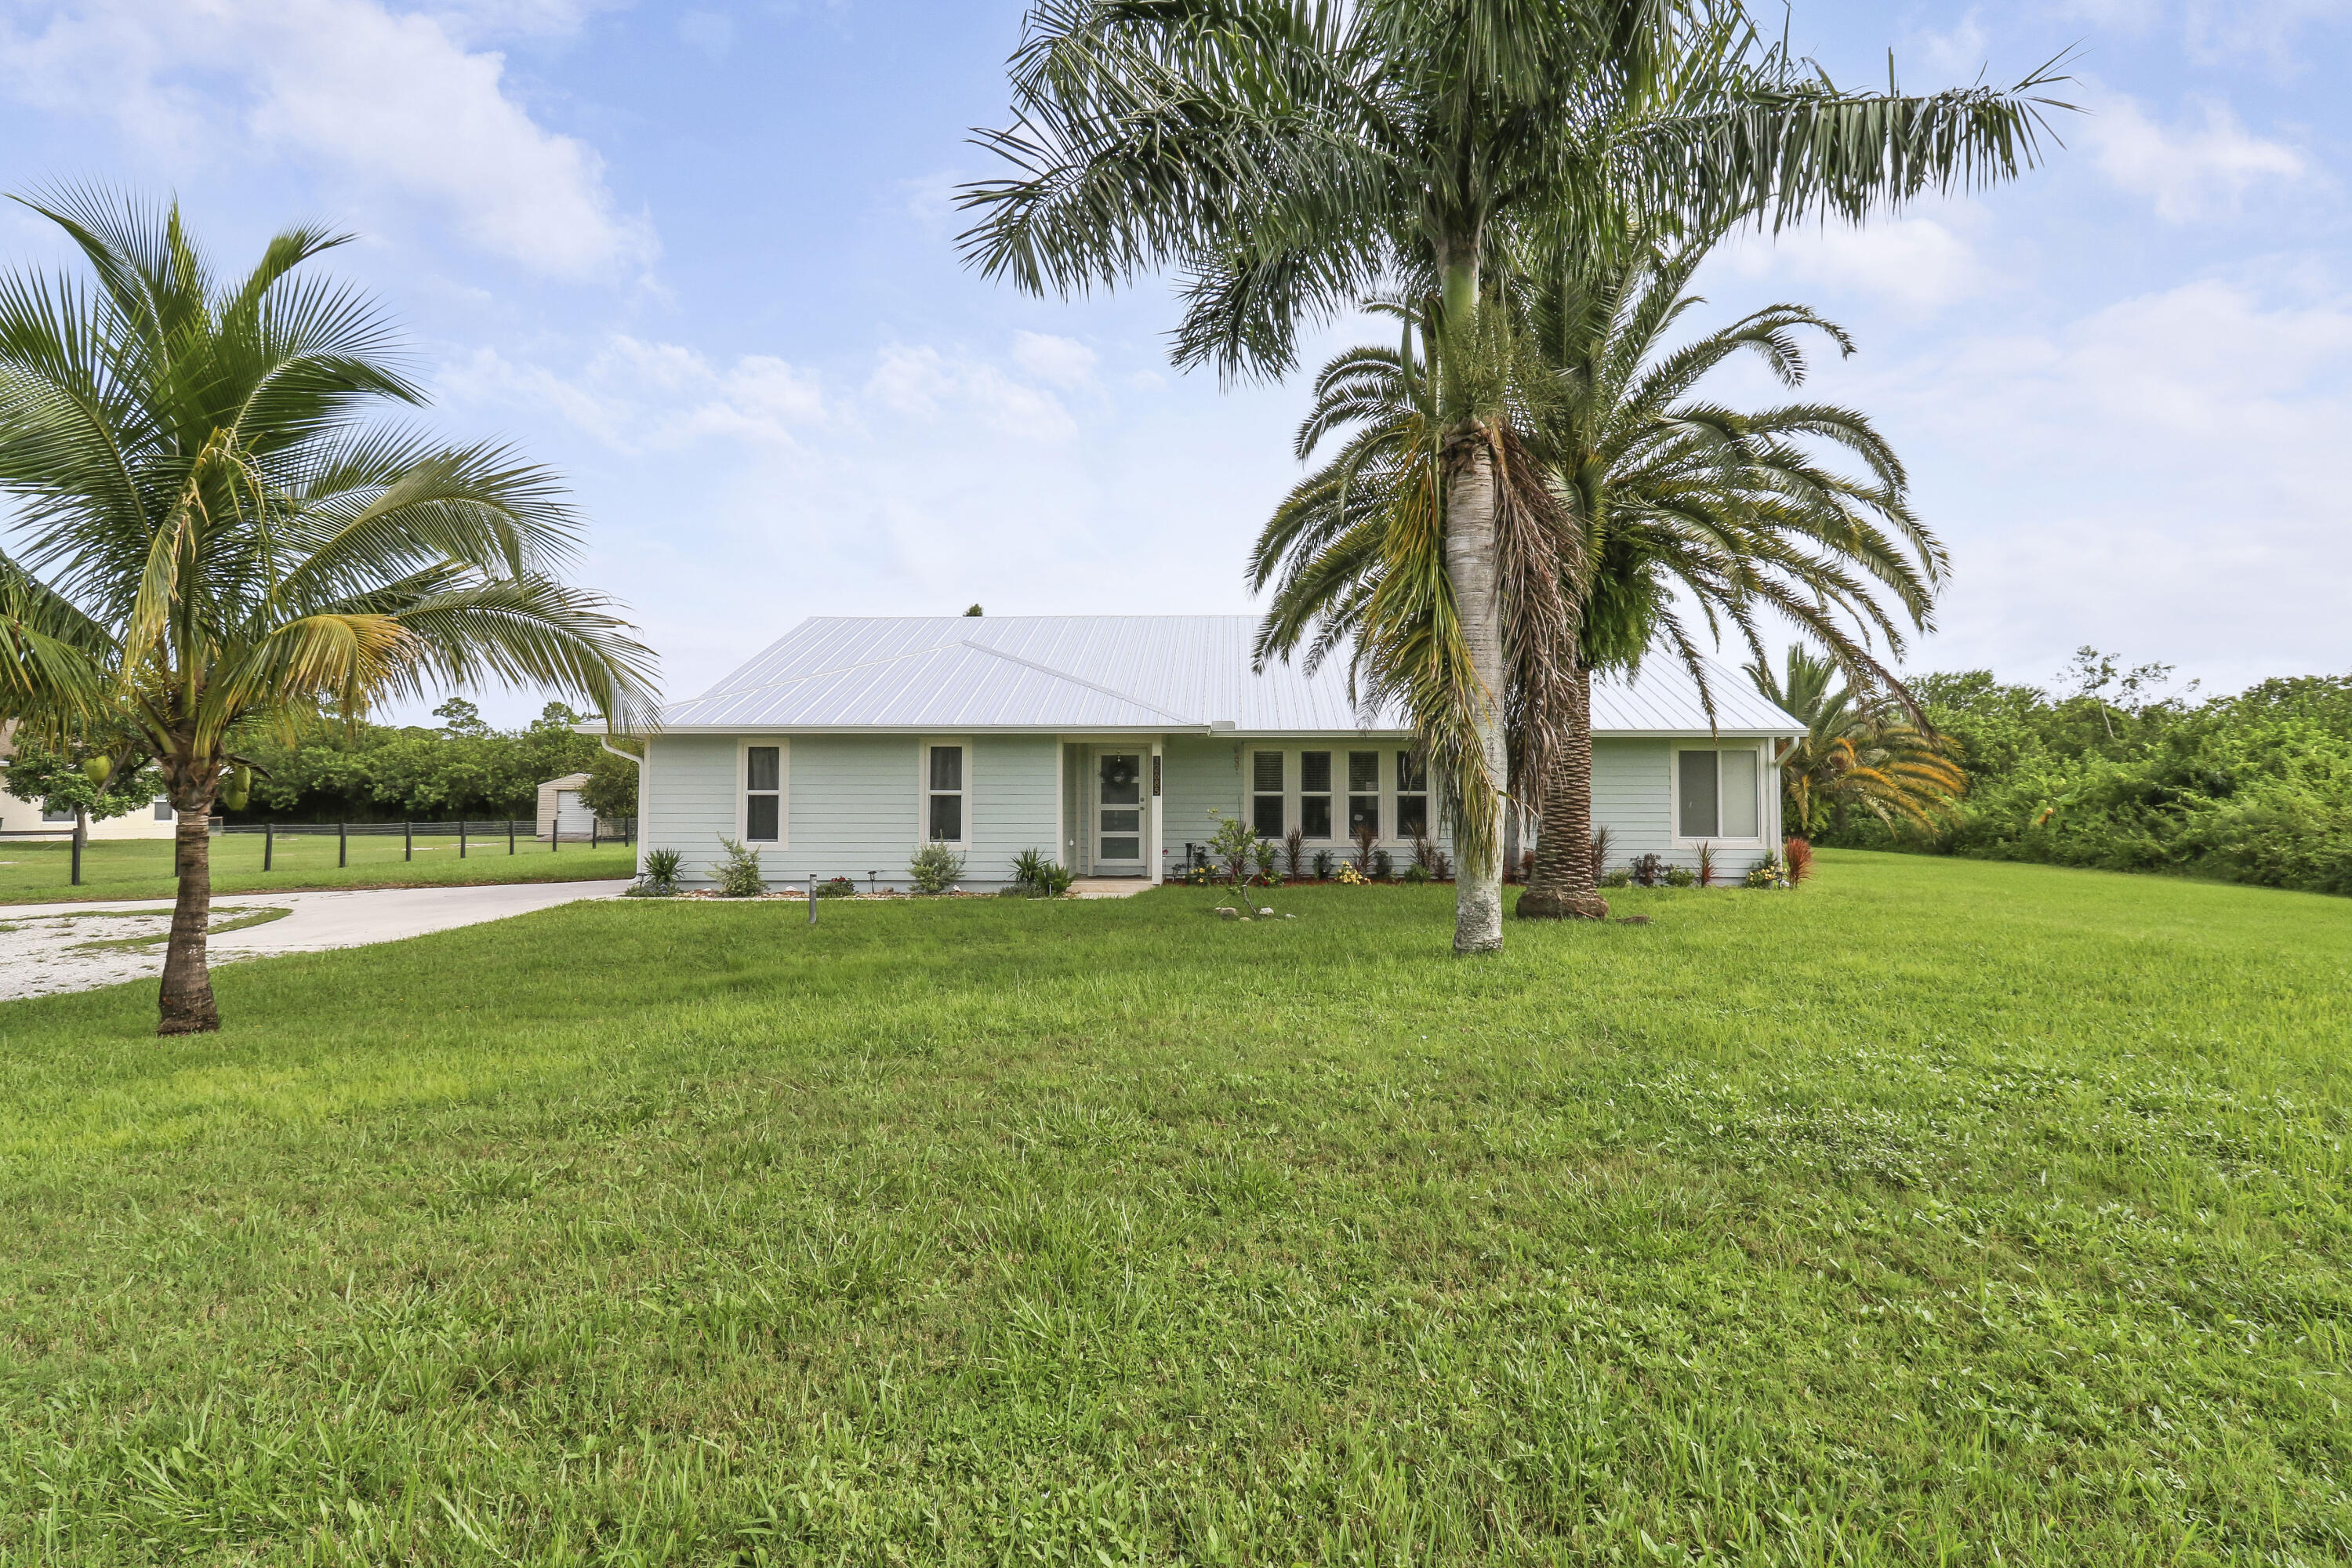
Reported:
(1120, 824)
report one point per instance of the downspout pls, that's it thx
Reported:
(606, 743)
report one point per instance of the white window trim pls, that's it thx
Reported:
(923, 791)
(783, 839)
(1764, 772)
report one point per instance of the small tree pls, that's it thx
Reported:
(93, 778)
(1235, 843)
(611, 791)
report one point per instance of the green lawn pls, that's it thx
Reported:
(1938, 1213)
(142, 869)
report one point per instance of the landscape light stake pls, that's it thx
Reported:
(811, 898)
(869, 884)
(268, 843)
(408, 841)
(343, 846)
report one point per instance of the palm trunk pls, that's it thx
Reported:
(1471, 567)
(1562, 886)
(187, 996)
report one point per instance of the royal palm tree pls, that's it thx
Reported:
(1861, 750)
(1663, 493)
(1290, 158)
(210, 534)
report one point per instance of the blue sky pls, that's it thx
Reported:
(701, 260)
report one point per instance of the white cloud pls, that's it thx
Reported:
(2189, 171)
(923, 382)
(392, 103)
(2160, 477)
(1058, 361)
(1924, 263)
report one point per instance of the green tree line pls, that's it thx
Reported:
(384, 773)
(2121, 773)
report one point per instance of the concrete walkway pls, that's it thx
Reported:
(44, 948)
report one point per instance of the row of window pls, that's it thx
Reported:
(1716, 793)
(1272, 778)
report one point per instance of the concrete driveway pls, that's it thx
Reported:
(48, 948)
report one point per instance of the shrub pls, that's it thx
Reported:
(1269, 862)
(1772, 872)
(737, 876)
(934, 868)
(835, 888)
(1599, 852)
(1351, 878)
(659, 879)
(1324, 861)
(1647, 871)
(1294, 851)
(1415, 873)
(1800, 859)
(1680, 876)
(1383, 865)
(1706, 877)
(1619, 878)
(1039, 874)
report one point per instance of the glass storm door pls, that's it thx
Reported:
(1119, 807)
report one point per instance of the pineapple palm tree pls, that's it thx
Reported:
(210, 534)
(1660, 493)
(1861, 750)
(1680, 499)
(1290, 158)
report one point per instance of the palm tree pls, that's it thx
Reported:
(211, 537)
(1677, 495)
(1291, 158)
(1659, 490)
(1861, 750)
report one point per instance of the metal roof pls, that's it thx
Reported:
(943, 673)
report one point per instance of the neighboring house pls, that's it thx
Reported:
(20, 816)
(561, 809)
(1115, 740)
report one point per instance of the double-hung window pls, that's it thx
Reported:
(163, 809)
(1716, 794)
(1315, 794)
(1266, 793)
(1411, 795)
(1363, 793)
(763, 795)
(943, 794)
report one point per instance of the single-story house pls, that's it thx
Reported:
(1116, 741)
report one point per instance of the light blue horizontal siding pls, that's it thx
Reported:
(853, 805)
(1632, 796)
(1196, 775)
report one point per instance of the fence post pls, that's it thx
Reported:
(555, 829)
(408, 841)
(461, 838)
(268, 843)
(594, 823)
(510, 834)
(811, 898)
(77, 855)
(629, 831)
(343, 846)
